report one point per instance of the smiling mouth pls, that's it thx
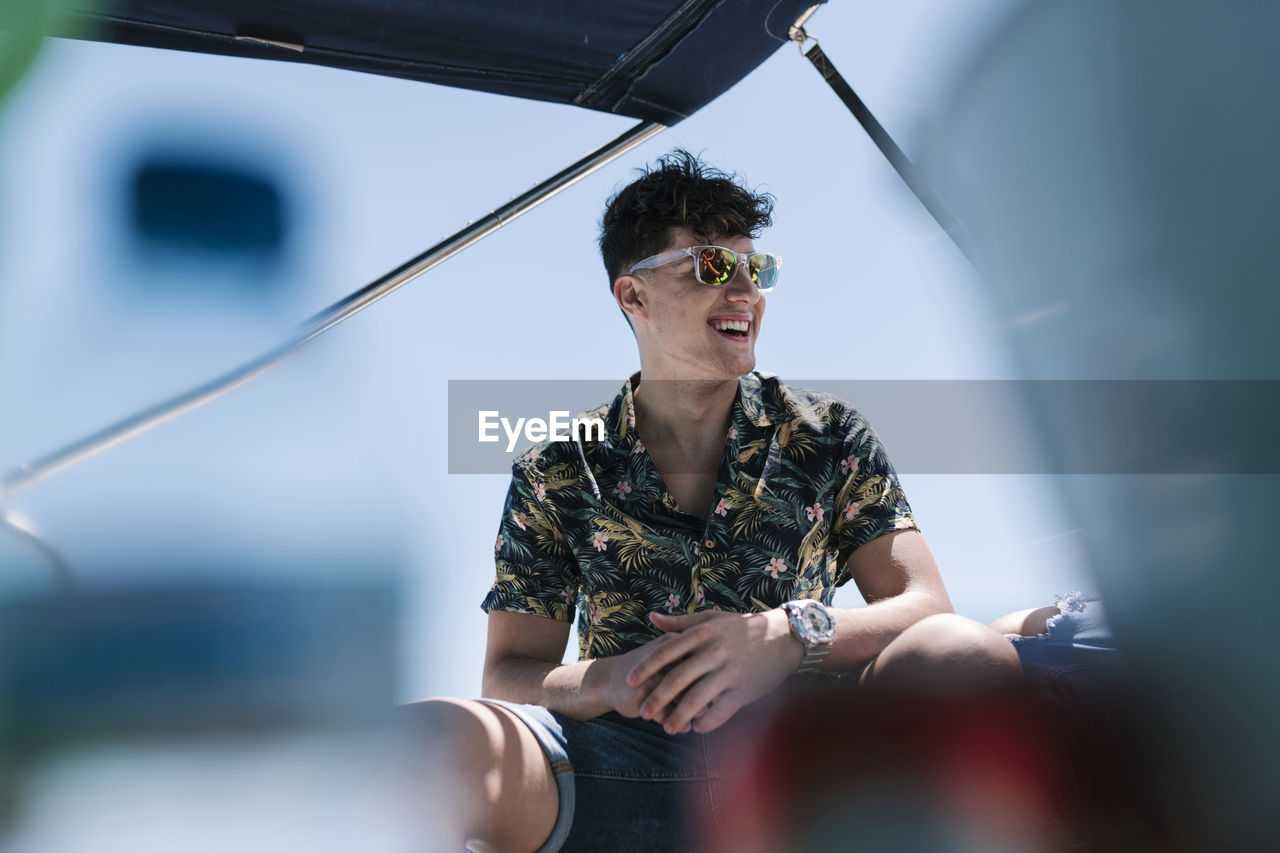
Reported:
(732, 329)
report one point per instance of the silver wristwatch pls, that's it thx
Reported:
(812, 625)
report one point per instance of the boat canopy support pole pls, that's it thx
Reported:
(28, 474)
(900, 162)
(21, 530)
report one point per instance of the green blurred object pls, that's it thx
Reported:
(23, 24)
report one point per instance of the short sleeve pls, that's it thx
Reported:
(869, 502)
(535, 571)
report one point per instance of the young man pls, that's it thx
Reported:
(701, 540)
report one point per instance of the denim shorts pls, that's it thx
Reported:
(1075, 662)
(626, 785)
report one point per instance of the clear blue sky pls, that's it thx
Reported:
(342, 451)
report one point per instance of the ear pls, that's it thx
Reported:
(630, 292)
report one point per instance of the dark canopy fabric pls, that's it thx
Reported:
(658, 60)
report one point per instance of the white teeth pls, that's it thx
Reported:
(731, 325)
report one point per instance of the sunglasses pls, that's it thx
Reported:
(715, 266)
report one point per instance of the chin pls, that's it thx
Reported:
(719, 366)
(740, 367)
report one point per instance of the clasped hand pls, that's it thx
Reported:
(703, 668)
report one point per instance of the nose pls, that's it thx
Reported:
(741, 288)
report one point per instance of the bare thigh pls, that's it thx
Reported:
(495, 776)
(1029, 623)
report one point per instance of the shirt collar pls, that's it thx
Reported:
(758, 404)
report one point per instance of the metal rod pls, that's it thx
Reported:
(28, 474)
(23, 531)
(797, 28)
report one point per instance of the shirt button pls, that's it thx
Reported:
(710, 543)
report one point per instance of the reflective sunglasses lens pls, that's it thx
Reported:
(715, 266)
(764, 270)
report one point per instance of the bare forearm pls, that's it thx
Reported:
(574, 690)
(863, 632)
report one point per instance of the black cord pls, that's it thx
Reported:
(902, 165)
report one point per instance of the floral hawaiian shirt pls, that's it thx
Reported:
(803, 482)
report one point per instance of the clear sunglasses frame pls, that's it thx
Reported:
(771, 261)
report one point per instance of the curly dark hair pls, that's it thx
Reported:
(679, 190)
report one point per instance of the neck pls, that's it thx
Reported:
(684, 413)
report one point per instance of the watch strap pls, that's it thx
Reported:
(813, 657)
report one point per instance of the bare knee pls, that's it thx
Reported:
(490, 769)
(947, 650)
(951, 640)
(1028, 623)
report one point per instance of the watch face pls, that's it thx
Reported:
(817, 622)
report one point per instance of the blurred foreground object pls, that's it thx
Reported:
(846, 768)
(205, 716)
(23, 24)
(1115, 165)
